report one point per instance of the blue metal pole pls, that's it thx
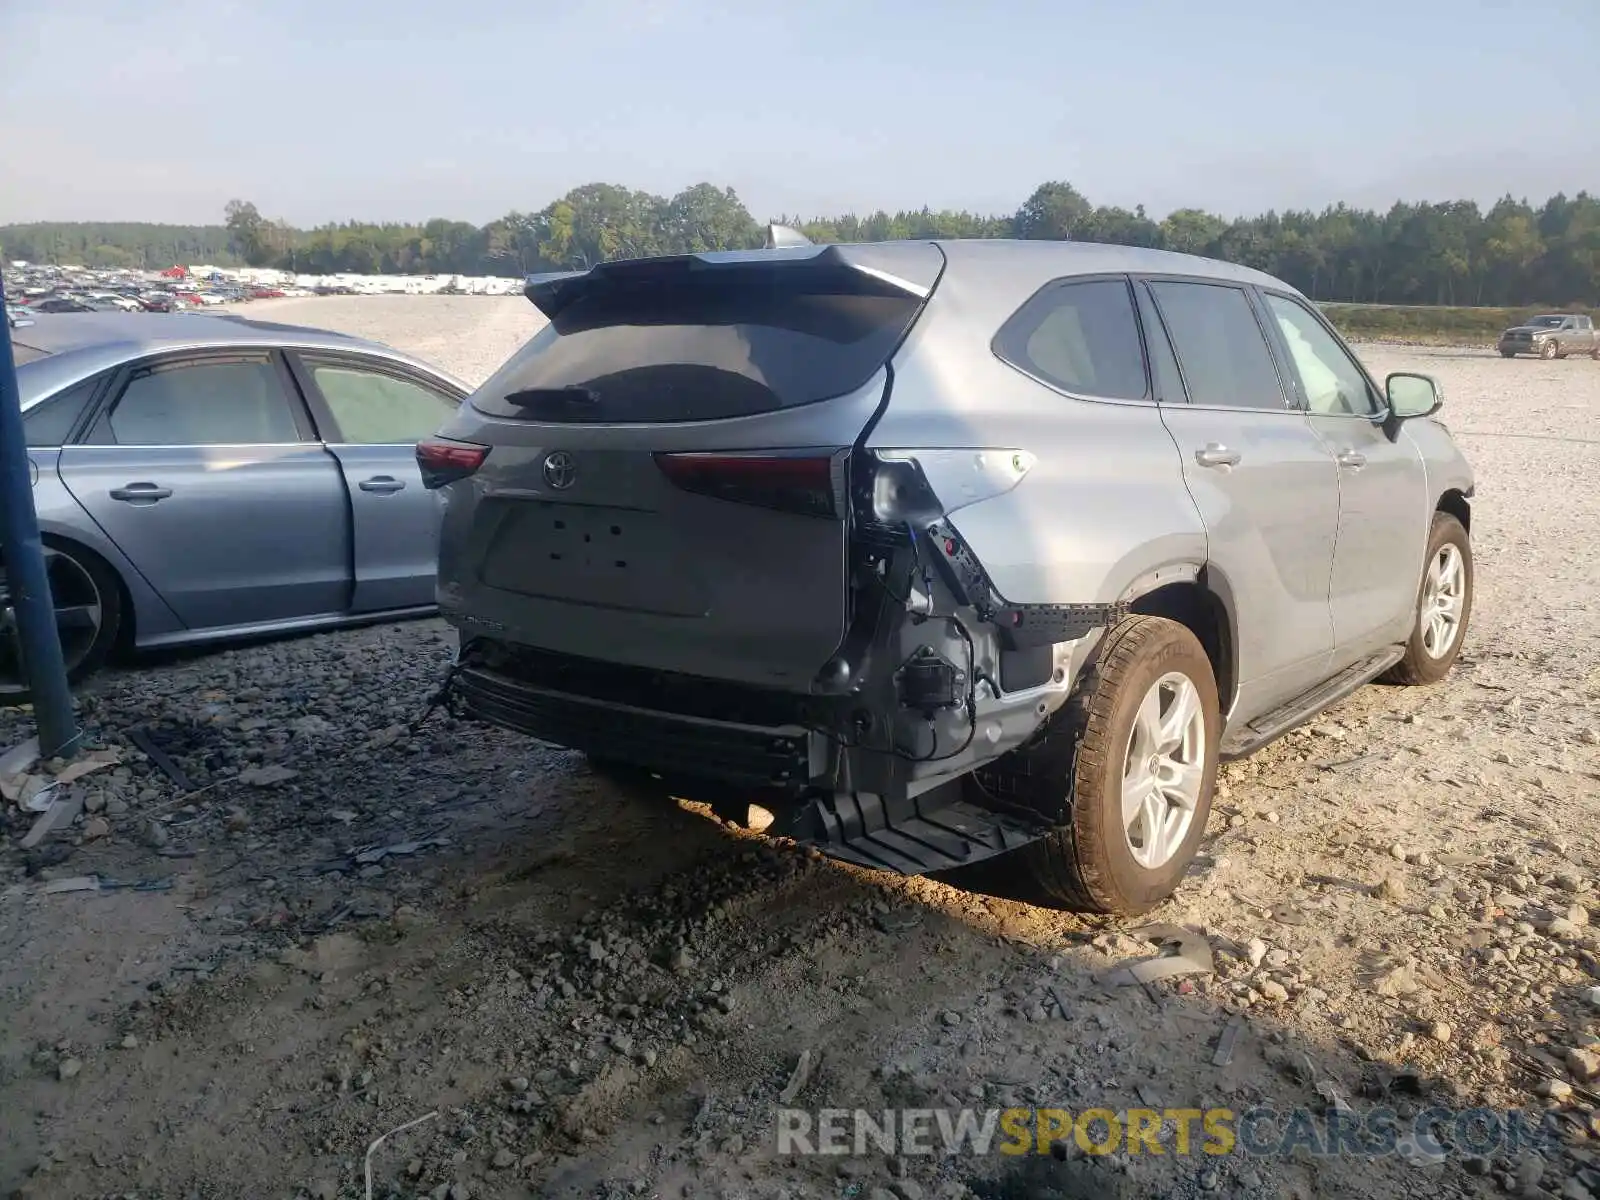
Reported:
(38, 640)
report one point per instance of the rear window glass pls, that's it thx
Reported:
(703, 344)
(1082, 337)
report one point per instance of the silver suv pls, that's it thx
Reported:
(942, 550)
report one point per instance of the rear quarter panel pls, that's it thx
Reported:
(1104, 511)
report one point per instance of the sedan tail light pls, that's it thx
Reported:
(443, 461)
(804, 484)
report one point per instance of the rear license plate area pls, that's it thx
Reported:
(609, 557)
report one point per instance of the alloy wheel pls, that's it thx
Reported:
(1443, 593)
(1163, 770)
(79, 609)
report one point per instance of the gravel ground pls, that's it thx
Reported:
(335, 923)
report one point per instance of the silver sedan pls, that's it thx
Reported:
(201, 478)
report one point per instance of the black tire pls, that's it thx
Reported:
(82, 661)
(1508, 354)
(1595, 353)
(1548, 350)
(1087, 864)
(1420, 666)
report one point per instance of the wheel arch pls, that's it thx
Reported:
(1206, 613)
(127, 609)
(1454, 501)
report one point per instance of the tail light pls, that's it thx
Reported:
(443, 461)
(804, 484)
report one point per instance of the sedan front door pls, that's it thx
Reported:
(372, 414)
(1384, 507)
(205, 471)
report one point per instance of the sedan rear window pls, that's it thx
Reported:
(699, 345)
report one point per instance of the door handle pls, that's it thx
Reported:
(1217, 455)
(1353, 459)
(140, 493)
(382, 484)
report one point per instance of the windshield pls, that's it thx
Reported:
(1547, 322)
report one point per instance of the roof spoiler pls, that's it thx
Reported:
(781, 237)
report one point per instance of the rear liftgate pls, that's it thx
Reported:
(938, 675)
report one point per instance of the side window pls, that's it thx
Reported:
(1082, 337)
(208, 402)
(372, 408)
(50, 423)
(1163, 366)
(1224, 356)
(1332, 382)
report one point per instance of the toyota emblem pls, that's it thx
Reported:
(560, 471)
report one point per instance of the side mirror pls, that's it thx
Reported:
(1412, 395)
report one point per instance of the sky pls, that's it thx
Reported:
(320, 110)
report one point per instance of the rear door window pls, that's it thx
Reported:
(51, 423)
(371, 407)
(693, 345)
(1219, 343)
(1082, 337)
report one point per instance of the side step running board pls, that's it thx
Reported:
(1247, 739)
(933, 832)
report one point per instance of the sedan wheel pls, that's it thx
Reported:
(87, 609)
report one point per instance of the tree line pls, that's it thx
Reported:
(1451, 253)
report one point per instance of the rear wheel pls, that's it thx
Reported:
(1444, 604)
(88, 608)
(1595, 353)
(1135, 754)
(1508, 354)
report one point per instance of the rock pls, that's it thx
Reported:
(325, 1189)
(237, 820)
(1530, 1170)
(94, 802)
(1274, 991)
(1440, 1031)
(1554, 1089)
(1401, 981)
(951, 1017)
(1476, 1164)
(1256, 951)
(1591, 997)
(1336, 732)
(503, 1158)
(1582, 1065)
(156, 835)
(519, 1084)
(130, 1041)
(1209, 1180)
(96, 828)
(68, 1069)
(459, 1191)
(116, 807)
(1577, 914)
(907, 1189)
(1391, 888)
(1397, 852)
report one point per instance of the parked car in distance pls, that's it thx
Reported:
(209, 477)
(60, 304)
(943, 550)
(1552, 335)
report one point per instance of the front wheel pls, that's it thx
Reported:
(1548, 350)
(1444, 604)
(1137, 759)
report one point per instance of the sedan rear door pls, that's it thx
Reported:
(204, 470)
(372, 413)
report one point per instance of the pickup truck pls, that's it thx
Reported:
(1552, 335)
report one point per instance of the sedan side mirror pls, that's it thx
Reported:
(1412, 395)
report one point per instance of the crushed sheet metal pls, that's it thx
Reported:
(1193, 957)
(799, 1077)
(1228, 1040)
(61, 813)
